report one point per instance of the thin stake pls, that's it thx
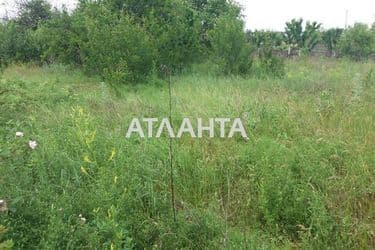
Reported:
(171, 150)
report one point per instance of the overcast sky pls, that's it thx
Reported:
(272, 14)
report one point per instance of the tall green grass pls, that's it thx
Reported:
(305, 179)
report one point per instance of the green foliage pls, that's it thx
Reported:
(59, 39)
(209, 11)
(294, 32)
(267, 64)
(357, 42)
(288, 202)
(125, 41)
(33, 12)
(331, 38)
(304, 179)
(136, 8)
(231, 51)
(369, 80)
(311, 36)
(271, 65)
(120, 40)
(17, 44)
(5, 245)
(174, 30)
(261, 37)
(303, 38)
(115, 47)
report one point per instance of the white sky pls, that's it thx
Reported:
(272, 14)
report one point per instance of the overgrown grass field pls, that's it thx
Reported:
(305, 179)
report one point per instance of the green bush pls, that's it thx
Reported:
(17, 40)
(17, 44)
(32, 13)
(115, 47)
(357, 42)
(260, 37)
(269, 64)
(58, 39)
(331, 38)
(231, 51)
(208, 12)
(174, 30)
(125, 41)
(304, 38)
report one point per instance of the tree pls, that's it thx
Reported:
(294, 32)
(175, 34)
(266, 62)
(231, 51)
(58, 39)
(357, 42)
(302, 38)
(17, 44)
(208, 13)
(261, 37)
(17, 40)
(310, 36)
(331, 38)
(32, 12)
(114, 46)
(173, 26)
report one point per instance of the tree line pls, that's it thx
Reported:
(129, 40)
(357, 42)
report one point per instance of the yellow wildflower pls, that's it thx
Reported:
(87, 159)
(113, 153)
(83, 170)
(90, 139)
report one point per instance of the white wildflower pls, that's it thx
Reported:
(19, 134)
(33, 144)
(3, 206)
(82, 220)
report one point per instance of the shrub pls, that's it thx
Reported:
(303, 38)
(358, 42)
(208, 12)
(17, 44)
(231, 51)
(33, 12)
(331, 38)
(259, 37)
(58, 39)
(269, 64)
(174, 30)
(116, 48)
